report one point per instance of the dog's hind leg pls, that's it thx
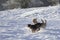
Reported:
(33, 31)
(38, 29)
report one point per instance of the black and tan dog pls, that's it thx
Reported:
(37, 26)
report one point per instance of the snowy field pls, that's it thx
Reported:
(13, 23)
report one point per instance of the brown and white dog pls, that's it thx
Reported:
(37, 26)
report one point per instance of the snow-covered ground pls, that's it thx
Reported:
(13, 23)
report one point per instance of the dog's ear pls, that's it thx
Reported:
(29, 25)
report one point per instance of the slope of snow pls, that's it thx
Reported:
(13, 23)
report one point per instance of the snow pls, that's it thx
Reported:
(13, 23)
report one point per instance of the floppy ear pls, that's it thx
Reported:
(29, 25)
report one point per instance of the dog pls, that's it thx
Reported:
(33, 27)
(37, 26)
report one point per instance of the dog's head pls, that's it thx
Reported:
(34, 21)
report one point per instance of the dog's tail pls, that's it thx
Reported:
(44, 22)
